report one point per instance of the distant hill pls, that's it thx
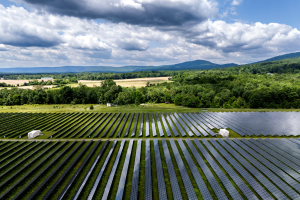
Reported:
(196, 64)
(281, 57)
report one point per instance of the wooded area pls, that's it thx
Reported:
(261, 85)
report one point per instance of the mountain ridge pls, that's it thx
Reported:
(189, 65)
(196, 64)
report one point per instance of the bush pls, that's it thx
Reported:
(91, 107)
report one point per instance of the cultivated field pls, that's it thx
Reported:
(150, 169)
(137, 82)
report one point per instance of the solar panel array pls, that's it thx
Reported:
(183, 169)
(80, 125)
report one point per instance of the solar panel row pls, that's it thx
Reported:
(181, 131)
(136, 172)
(153, 126)
(129, 125)
(223, 178)
(172, 176)
(112, 173)
(100, 174)
(147, 125)
(172, 125)
(121, 187)
(165, 125)
(141, 125)
(135, 125)
(148, 178)
(161, 132)
(159, 172)
(189, 132)
(254, 168)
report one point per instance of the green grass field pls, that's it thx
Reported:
(160, 107)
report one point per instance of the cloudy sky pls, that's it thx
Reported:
(44, 33)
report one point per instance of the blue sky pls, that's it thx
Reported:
(145, 32)
(269, 11)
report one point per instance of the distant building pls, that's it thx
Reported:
(269, 73)
(108, 104)
(47, 78)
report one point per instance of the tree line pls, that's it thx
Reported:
(261, 85)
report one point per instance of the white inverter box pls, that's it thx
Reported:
(224, 132)
(34, 133)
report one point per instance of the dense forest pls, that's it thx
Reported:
(261, 85)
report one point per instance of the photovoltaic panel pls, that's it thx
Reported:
(110, 125)
(194, 123)
(256, 173)
(267, 172)
(100, 174)
(273, 164)
(147, 125)
(172, 176)
(202, 124)
(141, 125)
(161, 132)
(181, 131)
(104, 125)
(129, 124)
(280, 151)
(234, 176)
(135, 125)
(248, 177)
(122, 181)
(196, 132)
(71, 181)
(210, 177)
(117, 125)
(148, 180)
(193, 168)
(153, 126)
(159, 172)
(223, 178)
(171, 125)
(189, 132)
(278, 156)
(165, 125)
(123, 124)
(112, 173)
(184, 175)
(136, 172)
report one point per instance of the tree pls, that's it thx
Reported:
(137, 101)
(91, 107)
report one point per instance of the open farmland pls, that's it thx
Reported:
(136, 82)
(150, 169)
